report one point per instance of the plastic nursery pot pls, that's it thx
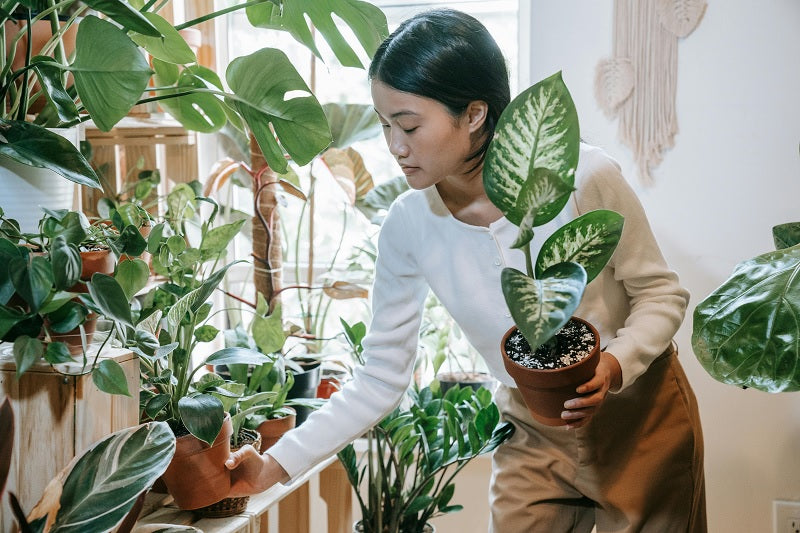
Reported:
(473, 380)
(273, 429)
(197, 476)
(232, 506)
(545, 391)
(305, 385)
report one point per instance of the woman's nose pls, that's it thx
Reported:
(398, 146)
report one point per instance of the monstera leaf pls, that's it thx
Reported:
(266, 88)
(538, 129)
(589, 240)
(541, 307)
(367, 22)
(747, 332)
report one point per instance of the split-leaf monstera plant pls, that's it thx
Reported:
(746, 332)
(529, 174)
(267, 95)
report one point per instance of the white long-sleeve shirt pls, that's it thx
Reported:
(636, 303)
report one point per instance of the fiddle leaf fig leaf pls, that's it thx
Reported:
(786, 235)
(274, 100)
(541, 307)
(538, 129)
(745, 332)
(589, 240)
(367, 22)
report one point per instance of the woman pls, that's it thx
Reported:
(631, 456)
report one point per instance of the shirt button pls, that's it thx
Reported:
(508, 315)
(497, 262)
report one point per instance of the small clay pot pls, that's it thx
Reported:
(197, 475)
(273, 429)
(92, 261)
(545, 391)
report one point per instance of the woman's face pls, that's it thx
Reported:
(425, 139)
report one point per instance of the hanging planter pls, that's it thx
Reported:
(547, 378)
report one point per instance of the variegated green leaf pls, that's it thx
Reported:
(105, 482)
(589, 240)
(746, 332)
(541, 307)
(786, 235)
(538, 129)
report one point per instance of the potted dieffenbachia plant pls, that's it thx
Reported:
(529, 174)
(746, 332)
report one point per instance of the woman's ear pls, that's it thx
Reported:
(476, 114)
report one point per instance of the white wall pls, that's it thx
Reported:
(733, 173)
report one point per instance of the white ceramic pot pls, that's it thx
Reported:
(26, 189)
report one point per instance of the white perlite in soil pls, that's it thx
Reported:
(573, 343)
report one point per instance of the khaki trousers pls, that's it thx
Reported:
(637, 466)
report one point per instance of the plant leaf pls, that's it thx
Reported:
(169, 46)
(125, 15)
(202, 415)
(66, 261)
(745, 332)
(786, 235)
(367, 22)
(274, 100)
(26, 352)
(109, 377)
(33, 281)
(106, 481)
(36, 146)
(541, 307)
(109, 84)
(236, 355)
(49, 73)
(200, 110)
(589, 240)
(132, 276)
(110, 297)
(538, 129)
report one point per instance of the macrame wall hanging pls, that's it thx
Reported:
(638, 83)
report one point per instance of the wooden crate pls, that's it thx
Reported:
(161, 143)
(55, 418)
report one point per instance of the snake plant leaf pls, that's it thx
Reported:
(109, 296)
(110, 378)
(589, 240)
(747, 331)
(367, 22)
(786, 235)
(105, 482)
(169, 46)
(109, 84)
(49, 73)
(126, 16)
(36, 146)
(538, 129)
(202, 415)
(541, 307)
(271, 95)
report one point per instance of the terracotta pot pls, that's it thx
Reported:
(545, 391)
(232, 506)
(73, 338)
(327, 386)
(272, 430)
(102, 261)
(197, 476)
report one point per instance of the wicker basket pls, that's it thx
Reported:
(232, 506)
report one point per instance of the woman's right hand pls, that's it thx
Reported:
(252, 472)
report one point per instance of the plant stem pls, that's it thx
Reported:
(218, 13)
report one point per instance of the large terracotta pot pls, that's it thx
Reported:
(272, 430)
(197, 475)
(545, 391)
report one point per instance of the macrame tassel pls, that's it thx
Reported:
(639, 82)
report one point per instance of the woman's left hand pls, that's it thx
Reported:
(608, 375)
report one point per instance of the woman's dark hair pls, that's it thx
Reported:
(450, 57)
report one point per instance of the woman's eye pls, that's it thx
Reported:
(410, 130)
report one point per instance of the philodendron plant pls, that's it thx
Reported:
(746, 332)
(529, 174)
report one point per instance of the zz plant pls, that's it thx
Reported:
(529, 174)
(746, 332)
(414, 453)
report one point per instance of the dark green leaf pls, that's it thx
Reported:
(132, 276)
(110, 297)
(33, 281)
(57, 352)
(109, 377)
(202, 415)
(26, 352)
(66, 261)
(125, 15)
(786, 235)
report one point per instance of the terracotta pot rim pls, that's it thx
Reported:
(550, 371)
